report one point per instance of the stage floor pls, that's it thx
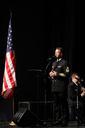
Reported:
(71, 124)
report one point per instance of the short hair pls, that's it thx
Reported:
(60, 48)
(75, 74)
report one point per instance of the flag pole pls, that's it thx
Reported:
(12, 122)
(13, 107)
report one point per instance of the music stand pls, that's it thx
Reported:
(39, 71)
(36, 76)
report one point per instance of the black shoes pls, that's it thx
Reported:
(60, 123)
(55, 123)
(64, 123)
(81, 123)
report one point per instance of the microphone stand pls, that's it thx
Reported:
(77, 106)
(77, 103)
(45, 92)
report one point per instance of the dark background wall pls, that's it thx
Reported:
(38, 28)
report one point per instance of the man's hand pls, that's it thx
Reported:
(53, 73)
(83, 91)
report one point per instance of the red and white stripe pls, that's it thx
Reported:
(9, 79)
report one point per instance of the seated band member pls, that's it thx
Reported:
(75, 94)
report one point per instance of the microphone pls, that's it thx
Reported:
(82, 80)
(52, 58)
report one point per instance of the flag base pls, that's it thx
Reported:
(12, 123)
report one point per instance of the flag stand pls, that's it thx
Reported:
(9, 78)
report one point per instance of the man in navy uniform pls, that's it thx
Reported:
(59, 76)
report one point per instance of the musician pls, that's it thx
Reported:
(76, 92)
(59, 76)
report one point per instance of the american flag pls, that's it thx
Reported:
(9, 77)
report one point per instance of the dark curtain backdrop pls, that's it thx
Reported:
(38, 28)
